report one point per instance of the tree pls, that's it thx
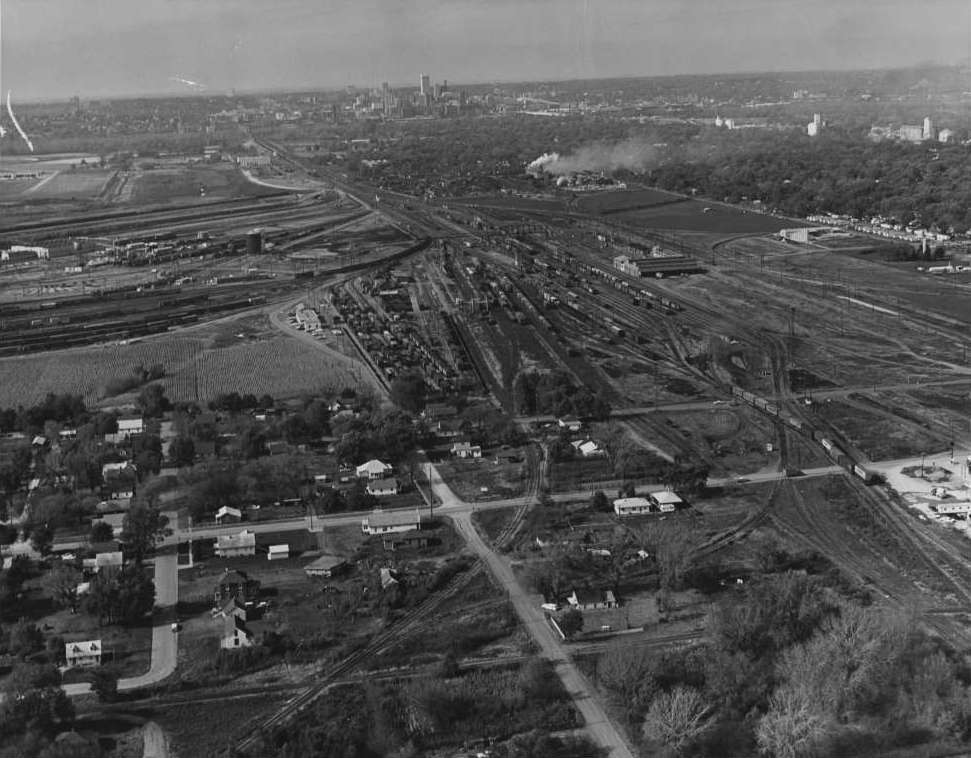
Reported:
(33, 699)
(538, 680)
(449, 666)
(104, 682)
(25, 638)
(8, 534)
(152, 401)
(61, 583)
(143, 528)
(677, 717)
(42, 538)
(600, 502)
(101, 531)
(124, 597)
(408, 391)
(628, 674)
(182, 451)
(570, 622)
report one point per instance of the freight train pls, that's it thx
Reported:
(835, 453)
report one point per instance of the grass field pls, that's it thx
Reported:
(13, 189)
(195, 369)
(690, 215)
(70, 185)
(184, 183)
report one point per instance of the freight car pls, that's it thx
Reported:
(868, 477)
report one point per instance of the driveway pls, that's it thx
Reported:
(164, 640)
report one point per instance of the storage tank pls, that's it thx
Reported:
(254, 242)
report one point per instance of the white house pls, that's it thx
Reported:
(665, 500)
(382, 487)
(278, 552)
(235, 634)
(383, 522)
(129, 426)
(587, 448)
(373, 469)
(236, 545)
(87, 653)
(632, 506)
(591, 600)
(466, 450)
(229, 515)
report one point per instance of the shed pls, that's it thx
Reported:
(326, 566)
(278, 552)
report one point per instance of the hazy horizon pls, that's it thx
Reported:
(54, 49)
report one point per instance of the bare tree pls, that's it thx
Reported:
(677, 717)
(793, 726)
(627, 672)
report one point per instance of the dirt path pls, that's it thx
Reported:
(156, 744)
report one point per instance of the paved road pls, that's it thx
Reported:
(164, 640)
(527, 607)
(596, 723)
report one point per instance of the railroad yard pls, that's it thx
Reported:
(790, 396)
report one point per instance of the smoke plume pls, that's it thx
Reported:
(633, 155)
(16, 124)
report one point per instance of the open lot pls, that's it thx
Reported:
(66, 184)
(198, 366)
(690, 215)
(186, 183)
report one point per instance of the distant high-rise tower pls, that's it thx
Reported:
(816, 126)
(928, 132)
(424, 84)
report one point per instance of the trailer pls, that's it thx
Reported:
(827, 444)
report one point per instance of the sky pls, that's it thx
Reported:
(97, 48)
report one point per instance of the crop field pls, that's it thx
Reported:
(194, 370)
(164, 185)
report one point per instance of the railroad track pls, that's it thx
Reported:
(401, 628)
(730, 536)
(953, 567)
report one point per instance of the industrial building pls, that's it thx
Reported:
(661, 266)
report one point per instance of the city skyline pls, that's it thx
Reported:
(107, 48)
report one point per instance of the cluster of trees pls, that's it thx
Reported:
(451, 707)
(233, 402)
(840, 171)
(390, 435)
(66, 409)
(793, 669)
(139, 375)
(555, 393)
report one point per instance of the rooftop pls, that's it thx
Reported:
(393, 518)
